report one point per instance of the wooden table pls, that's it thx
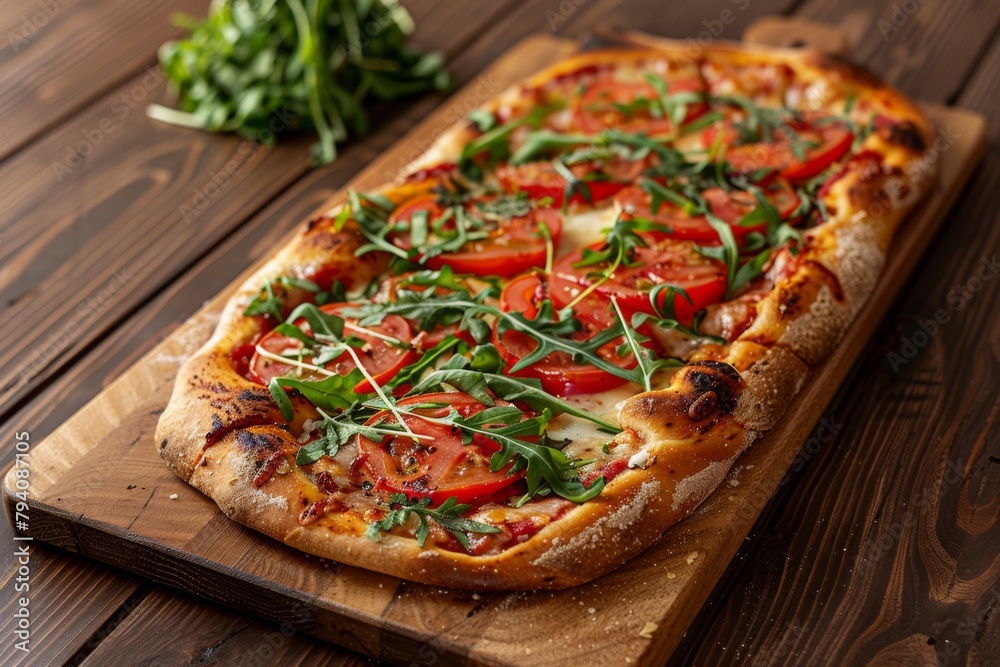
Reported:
(883, 545)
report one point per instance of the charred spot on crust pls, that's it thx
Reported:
(316, 221)
(715, 377)
(907, 135)
(257, 442)
(163, 444)
(216, 423)
(254, 395)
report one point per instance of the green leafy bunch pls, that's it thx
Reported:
(258, 67)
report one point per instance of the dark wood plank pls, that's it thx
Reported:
(70, 600)
(926, 48)
(174, 629)
(57, 56)
(73, 619)
(886, 548)
(134, 337)
(87, 243)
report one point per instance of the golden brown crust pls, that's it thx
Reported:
(220, 430)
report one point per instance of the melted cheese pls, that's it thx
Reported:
(584, 228)
(584, 436)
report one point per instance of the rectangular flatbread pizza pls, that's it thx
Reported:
(549, 339)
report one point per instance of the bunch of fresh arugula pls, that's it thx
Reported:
(258, 67)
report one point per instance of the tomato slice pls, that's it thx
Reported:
(513, 244)
(825, 144)
(608, 103)
(379, 358)
(441, 466)
(558, 373)
(540, 180)
(665, 261)
(728, 206)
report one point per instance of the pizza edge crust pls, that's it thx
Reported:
(797, 325)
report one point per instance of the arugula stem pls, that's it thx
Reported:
(385, 399)
(605, 276)
(646, 379)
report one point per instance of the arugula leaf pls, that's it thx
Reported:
(268, 304)
(544, 467)
(371, 213)
(727, 253)
(494, 141)
(261, 68)
(661, 193)
(339, 430)
(648, 363)
(666, 313)
(448, 515)
(484, 120)
(529, 391)
(674, 105)
(574, 185)
(332, 393)
(408, 374)
(620, 243)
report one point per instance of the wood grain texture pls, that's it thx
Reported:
(898, 559)
(134, 336)
(173, 629)
(57, 56)
(64, 616)
(88, 239)
(197, 549)
(84, 382)
(72, 620)
(927, 49)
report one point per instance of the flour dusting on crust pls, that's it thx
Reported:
(611, 526)
(696, 487)
(244, 494)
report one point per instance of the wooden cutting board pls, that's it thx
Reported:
(98, 487)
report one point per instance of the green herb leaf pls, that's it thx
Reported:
(263, 68)
(448, 515)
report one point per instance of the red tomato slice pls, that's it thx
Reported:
(379, 358)
(832, 141)
(558, 373)
(424, 340)
(514, 245)
(437, 468)
(604, 104)
(540, 179)
(727, 206)
(665, 261)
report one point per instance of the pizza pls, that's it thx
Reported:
(548, 340)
